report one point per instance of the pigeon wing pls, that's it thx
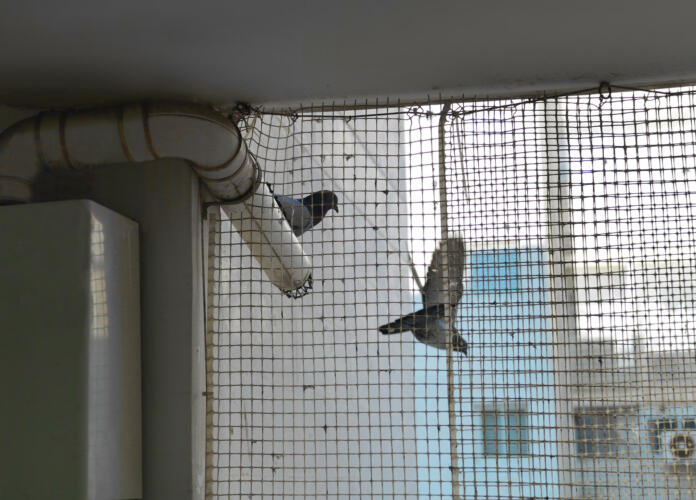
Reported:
(437, 289)
(299, 216)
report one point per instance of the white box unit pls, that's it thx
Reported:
(70, 425)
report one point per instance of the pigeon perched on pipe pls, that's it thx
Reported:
(303, 214)
(441, 294)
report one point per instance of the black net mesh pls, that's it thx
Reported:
(577, 215)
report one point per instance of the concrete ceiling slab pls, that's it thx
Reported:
(82, 52)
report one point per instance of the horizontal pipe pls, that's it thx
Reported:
(208, 141)
(73, 140)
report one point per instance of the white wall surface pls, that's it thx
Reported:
(310, 400)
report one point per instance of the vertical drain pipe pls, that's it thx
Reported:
(208, 141)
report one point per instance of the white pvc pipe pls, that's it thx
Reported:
(208, 141)
(271, 241)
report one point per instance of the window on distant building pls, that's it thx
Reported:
(505, 432)
(658, 427)
(604, 431)
(595, 432)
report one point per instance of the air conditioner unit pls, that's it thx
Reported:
(678, 447)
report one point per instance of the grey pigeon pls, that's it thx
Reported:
(303, 214)
(429, 325)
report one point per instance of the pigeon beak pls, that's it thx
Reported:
(335, 207)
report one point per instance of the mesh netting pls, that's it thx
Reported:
(578, 218)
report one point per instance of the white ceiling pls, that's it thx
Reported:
(84, 52)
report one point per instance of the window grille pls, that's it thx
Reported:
(578, 215)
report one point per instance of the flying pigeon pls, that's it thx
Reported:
(304, 214)
(429, 325)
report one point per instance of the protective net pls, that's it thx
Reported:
(575, 298)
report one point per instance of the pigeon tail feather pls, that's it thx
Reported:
(415, 319)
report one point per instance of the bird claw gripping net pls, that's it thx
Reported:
(301, 291)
